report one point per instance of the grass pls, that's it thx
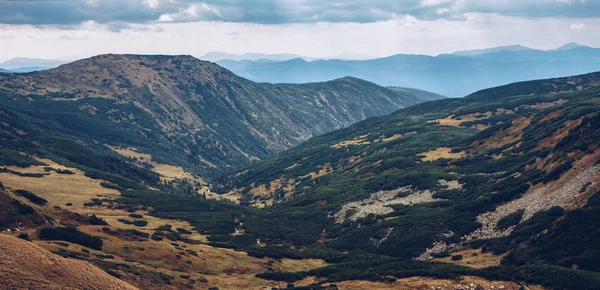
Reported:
(442, 153)
(474, 258)
(168, 172)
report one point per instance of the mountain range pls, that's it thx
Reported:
(168, 172)
(452, 75)
(24, 64)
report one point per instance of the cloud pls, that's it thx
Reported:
(579, 26)
(72, 12)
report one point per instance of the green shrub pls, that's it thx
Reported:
(73, 235)
(31, 197)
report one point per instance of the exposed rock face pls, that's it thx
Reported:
(569, 192)
(379, 203)
(216, 117)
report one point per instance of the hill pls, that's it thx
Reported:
(509, 172)
(420, 95)
(25, 265)
(452, 75)
(183, 111)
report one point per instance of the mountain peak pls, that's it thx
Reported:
(569, 45)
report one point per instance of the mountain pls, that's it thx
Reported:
(448, 74)
(570, 45)
(494, 49)
(3, 70)
(510, 174)
(31, 69)
(23, 64)
(464, 193)
(217, 56)
(187, 112)
(419, 95)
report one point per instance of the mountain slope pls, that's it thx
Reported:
(420, 95)
(511, 172)
(25, 265)
(189, 112)
(448, 74)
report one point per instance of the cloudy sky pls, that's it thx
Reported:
(69, 29)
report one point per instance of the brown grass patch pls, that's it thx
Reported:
(360, 140)
(59, 189)
(423, 283)
(441, 153)
(456, 121)
(545, 105)
(511, 135)
(323, 170)
(292, 166)
(474, 258)
(168, 172)
(560, 134)
(28, 266)
(289, 265)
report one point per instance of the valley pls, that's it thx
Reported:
(160, 172)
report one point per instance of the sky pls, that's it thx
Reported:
(71, 29)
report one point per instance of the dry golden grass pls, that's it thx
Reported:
(511, 135)
(560, 134)
(481, 260)
(441, 153)
(394, 137)
(289, 265)
(292, 166)
(456, 121)
(545, 105)
(168, 172)
(429, 283)
(223, 268)
(323, 170)
(28, 266)
(360, 140)
(59, 189)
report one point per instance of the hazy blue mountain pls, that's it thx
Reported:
(24, 64)
(30, 69)
(448, 74)
(493, 49)
(3, 70)
(217, 56)
(570, 45)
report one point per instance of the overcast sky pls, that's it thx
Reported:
(69, 29)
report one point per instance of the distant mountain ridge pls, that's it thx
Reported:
(494, 49)
(452, 75)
